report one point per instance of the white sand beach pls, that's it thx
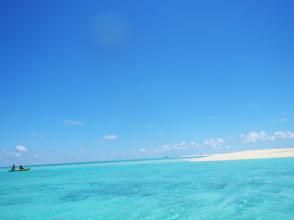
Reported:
(249, 155)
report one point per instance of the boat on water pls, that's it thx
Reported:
(19, 170)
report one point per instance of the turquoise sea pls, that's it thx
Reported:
(159, 189)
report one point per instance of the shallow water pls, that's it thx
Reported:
(253, 189)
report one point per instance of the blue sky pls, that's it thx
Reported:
(101, 80)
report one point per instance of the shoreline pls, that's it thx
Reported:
(248, 155)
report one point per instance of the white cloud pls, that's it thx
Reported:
(73, 123)
(182, 143)
(220, 143)
(254, 136)
(166, 147)
(21, 148)
(142, 150)
(110, 137)
(280, 135)
(214, 142)
(181, 146)
(177, 147)
(169, 147)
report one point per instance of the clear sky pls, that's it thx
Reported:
(100, 80)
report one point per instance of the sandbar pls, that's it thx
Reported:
(248, 155)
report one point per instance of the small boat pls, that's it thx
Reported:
(19, 170)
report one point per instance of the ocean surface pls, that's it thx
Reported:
(162, 189)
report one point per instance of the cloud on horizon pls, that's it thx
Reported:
(219, 143)
(110, 137)
(254, 136)
(73, 123)
(214, 142)
(21, 148)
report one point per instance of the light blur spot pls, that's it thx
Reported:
(111, 30)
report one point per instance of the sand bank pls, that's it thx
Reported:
(248, 155)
